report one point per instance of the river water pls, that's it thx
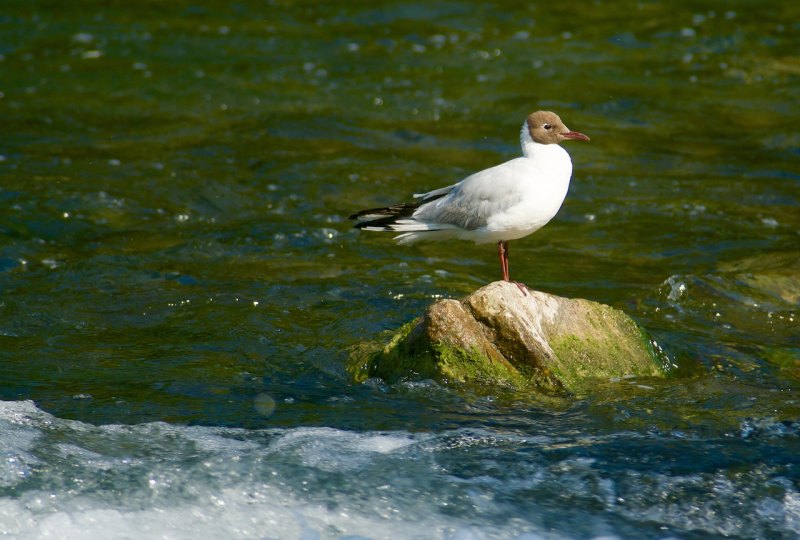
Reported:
(181, 286)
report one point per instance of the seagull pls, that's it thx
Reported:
(505, 202)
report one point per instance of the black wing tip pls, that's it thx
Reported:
(384, 223)
(383, 216)
(373, 221)
(387, 212)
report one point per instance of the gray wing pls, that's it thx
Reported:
(470, 203)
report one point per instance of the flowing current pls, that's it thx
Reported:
(67, 479)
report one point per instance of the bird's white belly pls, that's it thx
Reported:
(538, 205)
(519, 221)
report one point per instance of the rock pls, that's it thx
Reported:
(499, 336)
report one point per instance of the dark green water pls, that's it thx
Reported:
(175, 179)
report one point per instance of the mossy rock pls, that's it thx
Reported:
(498, 336)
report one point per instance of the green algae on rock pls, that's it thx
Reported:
(497, 336)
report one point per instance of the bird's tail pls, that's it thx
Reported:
(384, 219)
(400, 218)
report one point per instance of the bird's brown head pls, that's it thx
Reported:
(545, 127)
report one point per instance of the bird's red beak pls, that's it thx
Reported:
(575, 135)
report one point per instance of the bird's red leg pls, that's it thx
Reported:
(500, 256)
(522, 287)
(505, 261)
(502, 253)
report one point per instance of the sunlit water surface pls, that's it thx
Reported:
(180, 284)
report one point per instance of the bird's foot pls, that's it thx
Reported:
(522, 287)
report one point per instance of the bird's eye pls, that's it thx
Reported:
(547, 126)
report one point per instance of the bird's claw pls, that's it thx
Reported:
(521, 286)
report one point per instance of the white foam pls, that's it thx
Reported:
(75, 480)
(334, 450)
(67, 479)
(237, 512)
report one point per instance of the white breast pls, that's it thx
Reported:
(542, 180)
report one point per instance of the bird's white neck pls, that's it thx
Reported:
(528, 144)
(550, 157)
